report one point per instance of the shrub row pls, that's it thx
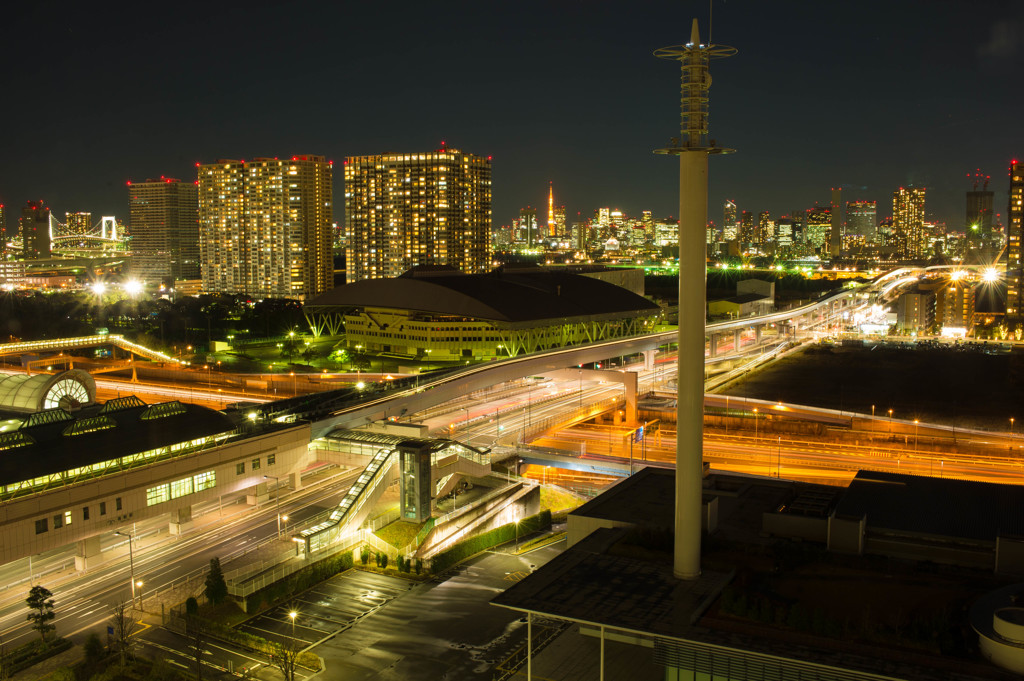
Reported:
(490, 539)
(299, 581)
(251, 641)
(33, 652)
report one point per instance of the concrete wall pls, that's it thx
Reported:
(846, 535)
(18, 517)
(795, 526)
(1010, 555)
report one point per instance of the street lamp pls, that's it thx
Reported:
(277, 498)
(293, 615)
(131, 564)
(1011, 425)
(755, 425)
(139, 584)
(285, 519)
(890, 422)
(517, 535)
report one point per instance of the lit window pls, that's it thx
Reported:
(157, 495)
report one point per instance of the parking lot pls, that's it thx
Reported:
(327, 608)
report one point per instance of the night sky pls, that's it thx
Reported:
(869, 95)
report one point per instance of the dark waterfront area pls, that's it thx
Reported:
(968, 386)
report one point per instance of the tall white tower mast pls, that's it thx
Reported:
(693, 148)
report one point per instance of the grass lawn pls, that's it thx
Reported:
(399, 533)
(558, 499)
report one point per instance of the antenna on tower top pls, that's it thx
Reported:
(711, 21)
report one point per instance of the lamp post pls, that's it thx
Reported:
(517, 535)
(131, 563)
(778, 468)
(755, 425)
(293, 615)
(581, 387)
(139, 584)
(1011, 425)
(277, 498)
(872, 411)
(890, 422)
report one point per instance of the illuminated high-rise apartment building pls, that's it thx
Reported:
(1014, 225)
(265, 227)
(528, 225)
(164, 222)
(908, 222)
(35, 230)
(861, 219)
(77, 223)
(403, 210)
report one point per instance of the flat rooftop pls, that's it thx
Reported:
(760, 599)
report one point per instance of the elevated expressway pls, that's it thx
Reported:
(346, 409)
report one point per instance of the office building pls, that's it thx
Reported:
(265, 227)
(908, 222)
(559, 213)
(817, 224)
(784, 231)
(528, 225)
(979, 217)
(748, 230)
(1014, 214)
(164, 220)
(4, 235)
(77, 223)
(729, 214)
(35, 230)
(835, 238)
(765, 227)
(404, 210)
(861, 219)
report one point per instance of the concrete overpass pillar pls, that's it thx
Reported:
(87, 555)
(649, 359)
(630, 382)
(757, 333)
(713, 344)
(737, 337)
(258, 494)
(295, 480)
(181, 520)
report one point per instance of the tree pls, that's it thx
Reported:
(284, 657)
(216, 588)
(40, 600)
(93, 649)
(123, 624)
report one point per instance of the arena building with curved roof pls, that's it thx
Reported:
(446, 315)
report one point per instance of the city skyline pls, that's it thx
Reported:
(895, 95)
